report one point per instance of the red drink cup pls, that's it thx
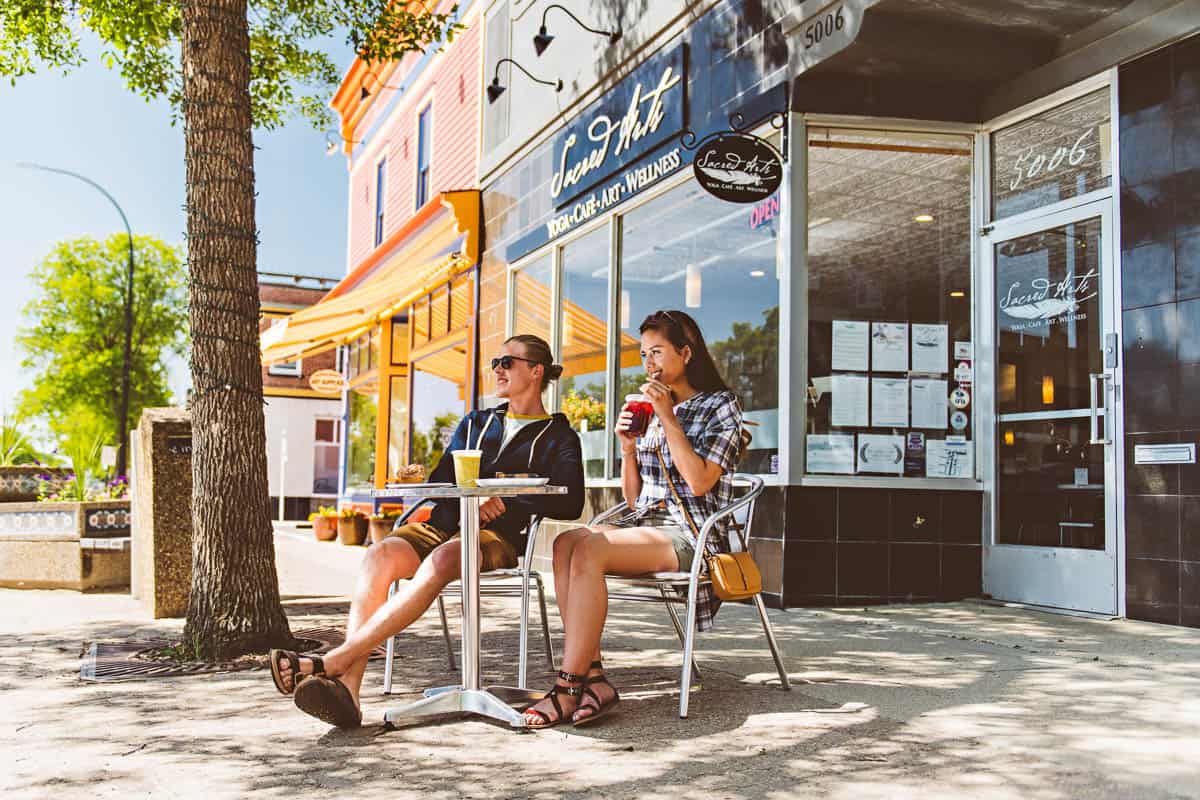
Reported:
(642, 410)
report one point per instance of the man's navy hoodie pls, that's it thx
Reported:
(549, 449)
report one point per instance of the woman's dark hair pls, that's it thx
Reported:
(682, 331)
(538, 351)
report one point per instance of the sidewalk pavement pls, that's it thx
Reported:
(933, 701)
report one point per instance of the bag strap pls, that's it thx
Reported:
(679, 502)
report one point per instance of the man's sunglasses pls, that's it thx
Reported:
(506, 362)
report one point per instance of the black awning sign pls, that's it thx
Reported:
(738, 168)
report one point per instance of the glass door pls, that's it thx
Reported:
(1054, 526)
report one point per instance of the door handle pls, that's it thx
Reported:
(1100, 379)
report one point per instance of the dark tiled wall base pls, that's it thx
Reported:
(1160, 264)
(825, 547)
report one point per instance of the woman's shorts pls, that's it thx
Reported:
(681, 539)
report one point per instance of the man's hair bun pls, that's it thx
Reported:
(554, 371)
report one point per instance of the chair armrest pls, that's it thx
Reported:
(756, 486)
(612, 512)
(403, 518)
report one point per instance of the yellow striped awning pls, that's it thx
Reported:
(358, 304)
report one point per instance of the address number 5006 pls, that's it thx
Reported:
(823, 27)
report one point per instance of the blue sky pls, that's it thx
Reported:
(88, 122)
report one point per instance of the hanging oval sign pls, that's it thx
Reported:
(327, 381)
(738, 168)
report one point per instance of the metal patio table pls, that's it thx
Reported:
(469, 697)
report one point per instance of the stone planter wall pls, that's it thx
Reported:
(20, 484)
(64, 545)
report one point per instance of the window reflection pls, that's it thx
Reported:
(686, 249)
(531, 293)
(584, 343)
(364, 413)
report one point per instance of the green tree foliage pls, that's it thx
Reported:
(290, 73)
(747, 361)
(428, 446)
(72, 339)
(16, 448)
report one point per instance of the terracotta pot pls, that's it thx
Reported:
(325, 528)
(352, 530)
(380, 529)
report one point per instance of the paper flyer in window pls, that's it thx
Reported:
(850, 345)
(930, 408)
(880, 454)
(930, 348)
(889, 346)
(946, 459)
(889, 402)
(830, 453)
(849, 401)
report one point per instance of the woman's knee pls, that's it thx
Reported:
(565, 542)
(590, 553)
(392, 558)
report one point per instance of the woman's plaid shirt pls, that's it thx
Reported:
(712, 422)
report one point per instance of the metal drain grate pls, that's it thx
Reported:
(112, 662)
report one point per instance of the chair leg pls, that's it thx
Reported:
(446, 634)
(689, 643)
(678, 626)
(774, 645)
(545, 621)
(523, 648)
(391, 650)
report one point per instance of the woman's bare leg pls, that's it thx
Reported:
(629, 551)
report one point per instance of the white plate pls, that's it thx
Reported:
(418, 485)
(493, 483)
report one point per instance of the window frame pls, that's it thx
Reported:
(287, 369)
(380, 200)
(335, 445)
(422, 191)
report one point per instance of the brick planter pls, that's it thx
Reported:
(64, 545)
(20, 484)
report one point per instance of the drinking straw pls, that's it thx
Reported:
(468, 433)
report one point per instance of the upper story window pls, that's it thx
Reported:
(424, 132)
(380, 187)
(286, 369)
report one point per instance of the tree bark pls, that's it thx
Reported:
(235, 605)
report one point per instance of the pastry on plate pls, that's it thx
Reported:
(413, 473)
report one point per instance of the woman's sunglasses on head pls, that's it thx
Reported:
(506, 362)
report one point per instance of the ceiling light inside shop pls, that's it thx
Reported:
(957, 293)
(1048, 390)
(923, 218)
(692, 286)
(625, 302)
(757, 273)
(1010, 438)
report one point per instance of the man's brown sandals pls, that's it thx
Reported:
(293, 659)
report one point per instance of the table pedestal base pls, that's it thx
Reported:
(452, 700)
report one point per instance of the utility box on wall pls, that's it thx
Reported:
(162, 528)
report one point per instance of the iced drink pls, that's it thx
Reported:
(642, 411)
(466, 467)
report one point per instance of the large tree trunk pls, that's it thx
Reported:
(235, 606)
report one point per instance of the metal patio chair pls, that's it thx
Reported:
(669, 584)
(523, 570)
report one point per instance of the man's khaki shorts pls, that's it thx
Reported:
(497, 552)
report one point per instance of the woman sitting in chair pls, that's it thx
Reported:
(673, 477)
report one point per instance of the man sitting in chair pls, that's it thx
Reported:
(516, 437)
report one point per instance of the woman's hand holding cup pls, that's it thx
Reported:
(659, 396)
(625, 431)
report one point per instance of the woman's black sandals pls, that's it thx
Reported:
(552, 695)
(601, 708)
(293, 659)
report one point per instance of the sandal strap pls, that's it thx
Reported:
(552, 696)
(596, 665)
(570, 677)
(318, 665)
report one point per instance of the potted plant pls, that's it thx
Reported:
(351, 526)
(381, 524)
(324, 522)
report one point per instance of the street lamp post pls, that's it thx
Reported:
(123, 412)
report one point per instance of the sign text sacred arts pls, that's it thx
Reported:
(639, 114)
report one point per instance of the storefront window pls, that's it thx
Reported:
(437, 405)
(585, 268)
(1056, 155)
(889, 334)
(688, 250)
(326, 439)
(364, 413)
(397, 424)
(531, 297)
